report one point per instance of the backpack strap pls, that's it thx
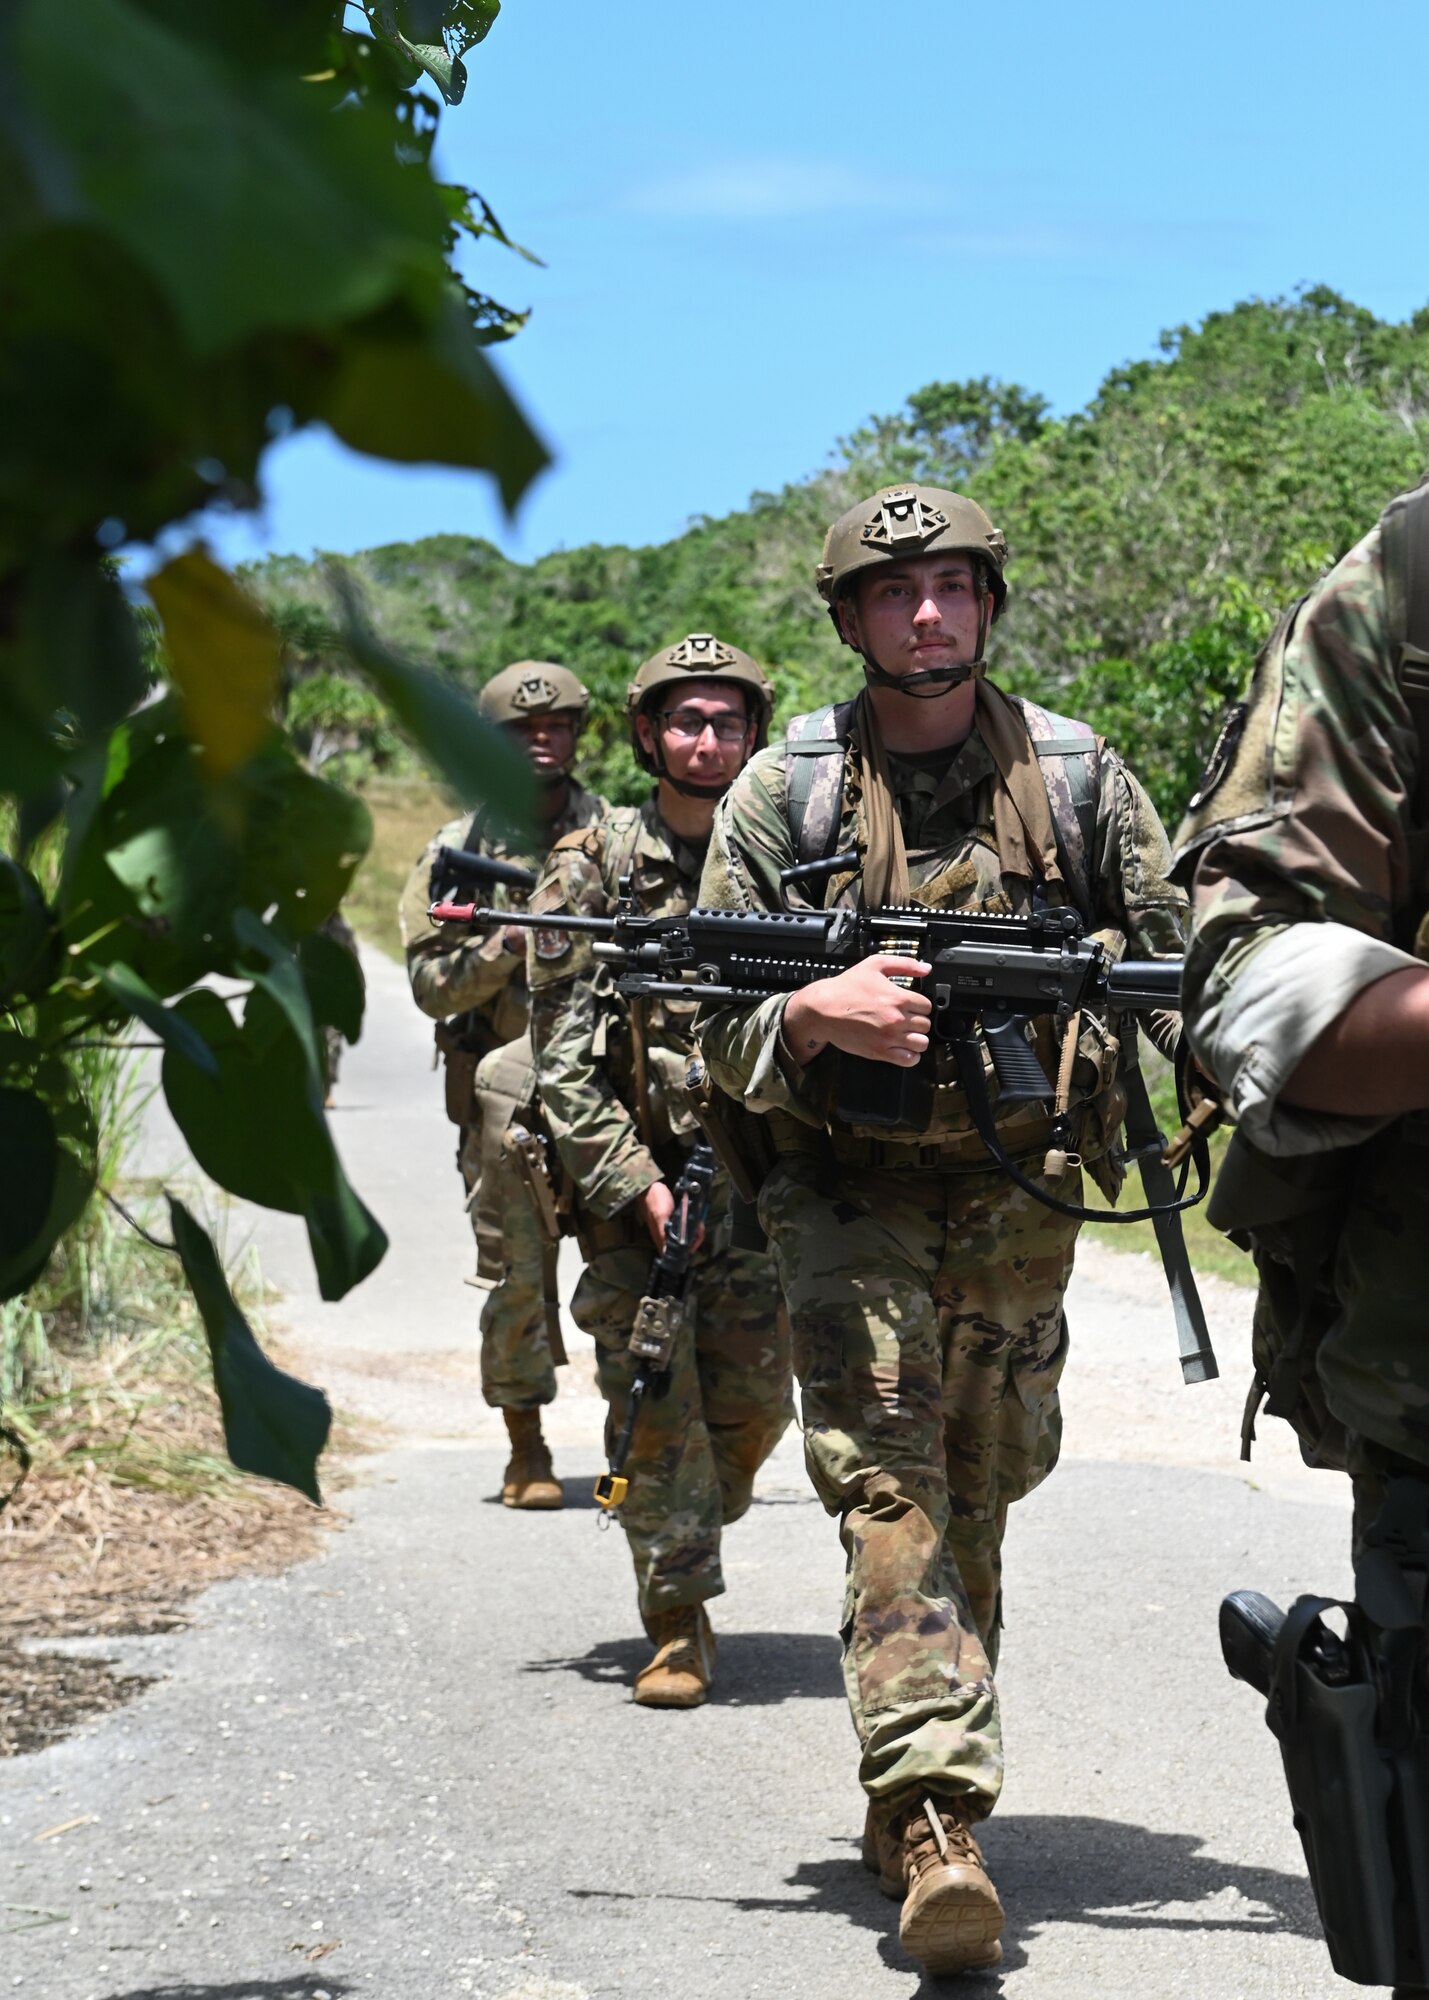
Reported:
(1404, 539)
(624, 839)
(1068, 756)
(814, 745)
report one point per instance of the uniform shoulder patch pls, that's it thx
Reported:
(587, 840)
(549, 944)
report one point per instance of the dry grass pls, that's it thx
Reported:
(406, 812)
(131, 1505)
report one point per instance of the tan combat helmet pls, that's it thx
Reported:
(699, 656)
(536, 687)
(903, 521)
(533, 687)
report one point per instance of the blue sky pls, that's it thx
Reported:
(762, 222)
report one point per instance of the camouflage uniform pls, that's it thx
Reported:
(489, 1063)
(698, 1446)
(925, 1292)
(341, 932)
(1310, 884)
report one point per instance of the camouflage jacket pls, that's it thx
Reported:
(1307, 868)
(947, 823)
(450, 970)
(586, 1053)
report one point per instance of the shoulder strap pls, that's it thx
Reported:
(1068, 756)
(814, 745)
(1404, 538)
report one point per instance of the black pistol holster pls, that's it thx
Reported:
(1349, 1712)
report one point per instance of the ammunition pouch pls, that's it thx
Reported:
(1349, 1715)
(1287, 1214)
(463, 1041)
(528, 1153)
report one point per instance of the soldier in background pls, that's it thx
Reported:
(474, 987)
(334, 1041)
(925, 1289)
(612, 1077)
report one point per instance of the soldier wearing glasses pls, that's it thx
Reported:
(612, 1084)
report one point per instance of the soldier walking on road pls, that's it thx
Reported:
(612, 1083)
(925, 1291)
(476, 990)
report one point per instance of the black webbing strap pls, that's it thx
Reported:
(1146, 1144)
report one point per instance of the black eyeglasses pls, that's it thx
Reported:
(689, 723)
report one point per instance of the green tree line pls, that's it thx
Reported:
(1154, 534)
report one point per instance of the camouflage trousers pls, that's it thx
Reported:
(520, 1329)
(697, 1446)
(1374, 1361)
(516, 1265)
(929, 1339)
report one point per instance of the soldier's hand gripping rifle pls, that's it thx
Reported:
(662, 1309)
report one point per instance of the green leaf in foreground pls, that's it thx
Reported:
(140, 999)
(273, 1425)
(441, 719)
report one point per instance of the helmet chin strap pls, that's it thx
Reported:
(690, 791)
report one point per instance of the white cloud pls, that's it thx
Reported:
(746, 190)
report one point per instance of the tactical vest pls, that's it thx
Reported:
(1068, 754)
(1289, 1213)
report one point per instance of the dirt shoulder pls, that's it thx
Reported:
(113, 1534)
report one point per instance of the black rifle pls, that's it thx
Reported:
(454, 864)
(662, 1309)
(990, 975)
(1349, 1712)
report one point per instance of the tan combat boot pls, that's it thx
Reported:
(951, 1919)
(528, 1480)
(883, 1854)
(679, 1676)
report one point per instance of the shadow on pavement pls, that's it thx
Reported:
(1055, 1869)
(756, 1669)
(303, 1986)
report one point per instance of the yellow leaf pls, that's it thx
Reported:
(223, 655)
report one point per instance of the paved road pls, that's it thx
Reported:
(411, 1769)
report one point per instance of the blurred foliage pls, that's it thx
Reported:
(1153, 534)
(219, 224)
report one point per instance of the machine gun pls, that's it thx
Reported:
(990, 976)
(662, 1309)
(1349, 1712)
(456, 864)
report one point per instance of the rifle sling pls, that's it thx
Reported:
(1198, 1363)
(1193, 1339)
